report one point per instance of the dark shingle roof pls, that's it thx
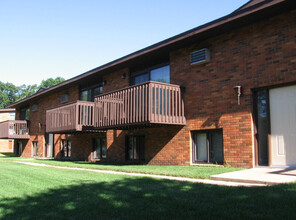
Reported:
(251, 3)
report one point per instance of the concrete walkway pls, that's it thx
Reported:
(204, 181)
(261, 175)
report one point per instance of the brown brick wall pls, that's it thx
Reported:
(115, 82)
(163, 145)
(257, 55)
(116, 145)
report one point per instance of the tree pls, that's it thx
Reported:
(8, 94)
(51, 82)
(25, 91)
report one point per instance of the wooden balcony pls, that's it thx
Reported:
(143, 105)
(17, 129)
(77, 116)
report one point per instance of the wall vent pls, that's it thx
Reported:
(200, 56)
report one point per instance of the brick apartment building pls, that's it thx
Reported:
(224, 92)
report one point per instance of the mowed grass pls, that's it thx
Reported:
(29, 192)
(201, 172)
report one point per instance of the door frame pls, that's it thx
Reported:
(255, 125)
(255, 122)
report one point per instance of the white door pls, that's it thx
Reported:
(283, 126)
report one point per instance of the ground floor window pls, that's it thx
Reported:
(34, 148)
(135, 147)
(66, 148)
(100, 148)
(207, 146)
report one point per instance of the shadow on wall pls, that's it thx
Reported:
(156, 139)
(81, 145)
(116, 151)
(147, 198)
(57, 147)
(211, 121)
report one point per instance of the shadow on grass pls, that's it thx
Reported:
(95, 163)
(145, 198)
(7, 155)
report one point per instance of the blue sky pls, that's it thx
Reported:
(50, 38)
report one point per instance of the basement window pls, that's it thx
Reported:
(207, 146)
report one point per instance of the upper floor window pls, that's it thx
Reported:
(65, 98)
(25, 113)
(34, 107)
(158, 74)
(90, 93)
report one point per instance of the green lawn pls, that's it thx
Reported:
(29, 192)
(202, 172)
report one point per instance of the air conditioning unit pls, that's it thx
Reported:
(200, 56)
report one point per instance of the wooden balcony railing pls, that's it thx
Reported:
(71, 117)
(143, 104)
(17, 129)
